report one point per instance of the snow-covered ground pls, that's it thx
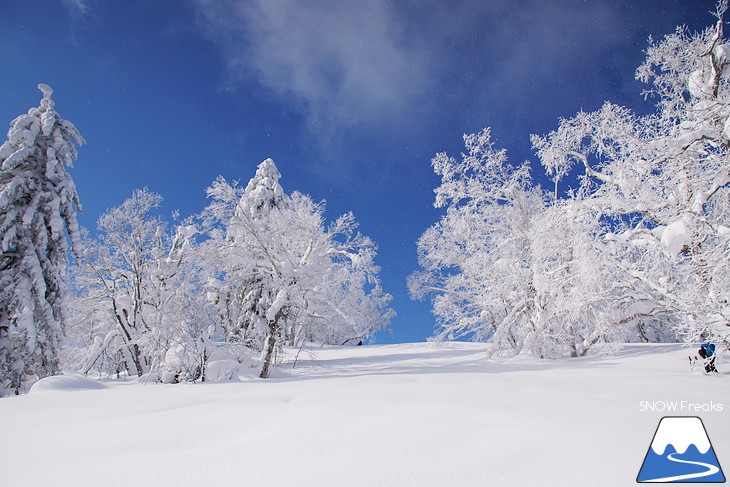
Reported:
(388, 415)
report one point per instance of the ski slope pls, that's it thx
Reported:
(386, 415)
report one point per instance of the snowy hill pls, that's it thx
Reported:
(389, 415)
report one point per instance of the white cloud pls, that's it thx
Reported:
(344, 63)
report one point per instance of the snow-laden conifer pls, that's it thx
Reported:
(38, 204)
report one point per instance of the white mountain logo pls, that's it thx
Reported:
(681, 452)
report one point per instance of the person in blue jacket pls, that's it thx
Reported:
(707, 352)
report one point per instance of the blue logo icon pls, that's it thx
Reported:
(681, 452)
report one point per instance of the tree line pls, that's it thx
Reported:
(256, 270)
(631, 243)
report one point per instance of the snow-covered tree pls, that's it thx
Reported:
(662, 179)
(38, 204)
(635, 249)
(474, 259)
(282, 276)
(504, 264)
(140, 303)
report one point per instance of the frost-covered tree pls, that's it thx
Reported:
(633, 244)
(662, 179)
(281, 276)
(504, 264)
(140, 304)
(38, 204)
(241, 293)
(475, 259)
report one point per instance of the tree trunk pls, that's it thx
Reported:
(132, 348)
(573, 340)
(270, 344)
(640, 329)
(204, 361)
(11, 365)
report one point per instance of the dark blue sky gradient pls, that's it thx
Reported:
(351, 99)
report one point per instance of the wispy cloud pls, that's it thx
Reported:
(79, 12)
(457, 65)
(77, 9)
(344, 63)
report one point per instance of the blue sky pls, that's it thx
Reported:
(351, 98)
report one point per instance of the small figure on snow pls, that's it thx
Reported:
(707, 352)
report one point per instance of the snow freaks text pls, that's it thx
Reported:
(683, 407)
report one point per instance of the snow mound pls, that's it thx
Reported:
(65, 383)
(223, 370)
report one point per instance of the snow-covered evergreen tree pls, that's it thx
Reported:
(38, 201)
(244, 297)
(282, 277)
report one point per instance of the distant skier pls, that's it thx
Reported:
(707, 352)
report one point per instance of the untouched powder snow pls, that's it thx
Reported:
(390, 415)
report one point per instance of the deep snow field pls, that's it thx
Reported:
(383, 415)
